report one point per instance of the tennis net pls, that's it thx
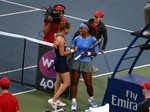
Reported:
(18, 57)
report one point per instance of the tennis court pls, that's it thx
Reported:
(24, 18)
(36, 101)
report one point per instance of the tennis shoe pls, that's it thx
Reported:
(92, 103)
(53, 104)
(61, 104)
(58, 102)
(74, 106)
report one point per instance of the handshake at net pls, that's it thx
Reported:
(72, 50)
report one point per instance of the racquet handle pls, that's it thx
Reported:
(78, 57)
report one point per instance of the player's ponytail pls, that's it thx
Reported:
(64, 25)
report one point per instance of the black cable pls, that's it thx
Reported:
(40, 33)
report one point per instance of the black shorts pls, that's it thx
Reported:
(61, 65)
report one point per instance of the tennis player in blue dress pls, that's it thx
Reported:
(83, 65)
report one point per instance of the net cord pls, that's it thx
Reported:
(25, 37)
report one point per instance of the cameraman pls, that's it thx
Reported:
(51, 26)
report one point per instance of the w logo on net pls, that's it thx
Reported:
(46, 61)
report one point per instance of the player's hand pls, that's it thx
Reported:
(84, 54)
(75, 48)
(68, 48)
(102, 51)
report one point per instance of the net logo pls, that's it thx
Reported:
(46, 61)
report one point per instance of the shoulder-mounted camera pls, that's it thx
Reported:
(54, 12)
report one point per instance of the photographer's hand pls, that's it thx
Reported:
(50, 18)
(47, 28)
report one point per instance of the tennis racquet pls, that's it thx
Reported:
(93, 45)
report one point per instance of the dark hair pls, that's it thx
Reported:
(64, 25)
(92, 30)
(5, 87)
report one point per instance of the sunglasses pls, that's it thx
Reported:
(96, 17)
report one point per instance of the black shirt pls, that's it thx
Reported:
(101, 32)
(144, 106)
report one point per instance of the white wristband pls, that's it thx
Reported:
(55, 35)
(89, 53)
(68, 48)
(72, 50)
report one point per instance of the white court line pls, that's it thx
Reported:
(19, 4)
(109, 73)
(113, 27)
(25, 92)
(114, 50)
(15, 13)
(19, 69)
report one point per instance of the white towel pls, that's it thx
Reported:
(104, 108)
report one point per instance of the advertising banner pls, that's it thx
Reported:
(45, 77)
(122, 96)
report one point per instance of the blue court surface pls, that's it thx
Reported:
(24, 17)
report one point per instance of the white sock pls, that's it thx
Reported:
(91, 98)
(74, 100)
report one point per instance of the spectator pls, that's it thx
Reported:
(101, 28)
(147, 13)
(147, 17)
(144, 106)
(50, 26)
(83, 65)
(61, 65)
(8, 102)
(101, 31)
